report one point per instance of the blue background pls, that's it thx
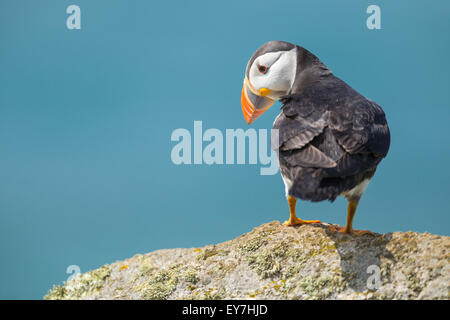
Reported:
(86, 118)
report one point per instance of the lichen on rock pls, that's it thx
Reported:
(81, 286)
(277, 262)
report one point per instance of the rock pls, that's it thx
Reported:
(278, 262)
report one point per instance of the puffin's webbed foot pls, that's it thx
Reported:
(294, 221)
(350, 231)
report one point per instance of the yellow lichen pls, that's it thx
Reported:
(81, 286)
(207, 253)
(160, 285)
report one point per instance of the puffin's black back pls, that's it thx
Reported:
(331, 138)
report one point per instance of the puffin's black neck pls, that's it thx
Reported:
(309, 70)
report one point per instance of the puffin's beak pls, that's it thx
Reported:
(254, 103)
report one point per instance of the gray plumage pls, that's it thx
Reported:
(331, 138)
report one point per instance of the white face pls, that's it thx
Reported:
(274, 71)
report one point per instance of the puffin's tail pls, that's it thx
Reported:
(308, 186)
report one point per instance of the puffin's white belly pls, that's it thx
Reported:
(287, 184)
(357, 191)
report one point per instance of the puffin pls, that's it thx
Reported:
(329, 138)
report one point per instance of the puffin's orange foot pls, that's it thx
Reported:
(296, 221)
(363, 232)
(336, 228)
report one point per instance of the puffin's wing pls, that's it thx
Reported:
(360, 127)
(309, 157)
(297, 125)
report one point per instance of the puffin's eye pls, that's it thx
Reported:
(262, 69)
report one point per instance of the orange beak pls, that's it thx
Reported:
(253, 103)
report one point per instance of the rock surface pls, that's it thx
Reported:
(277, 262)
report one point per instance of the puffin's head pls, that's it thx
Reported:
(269, 75)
